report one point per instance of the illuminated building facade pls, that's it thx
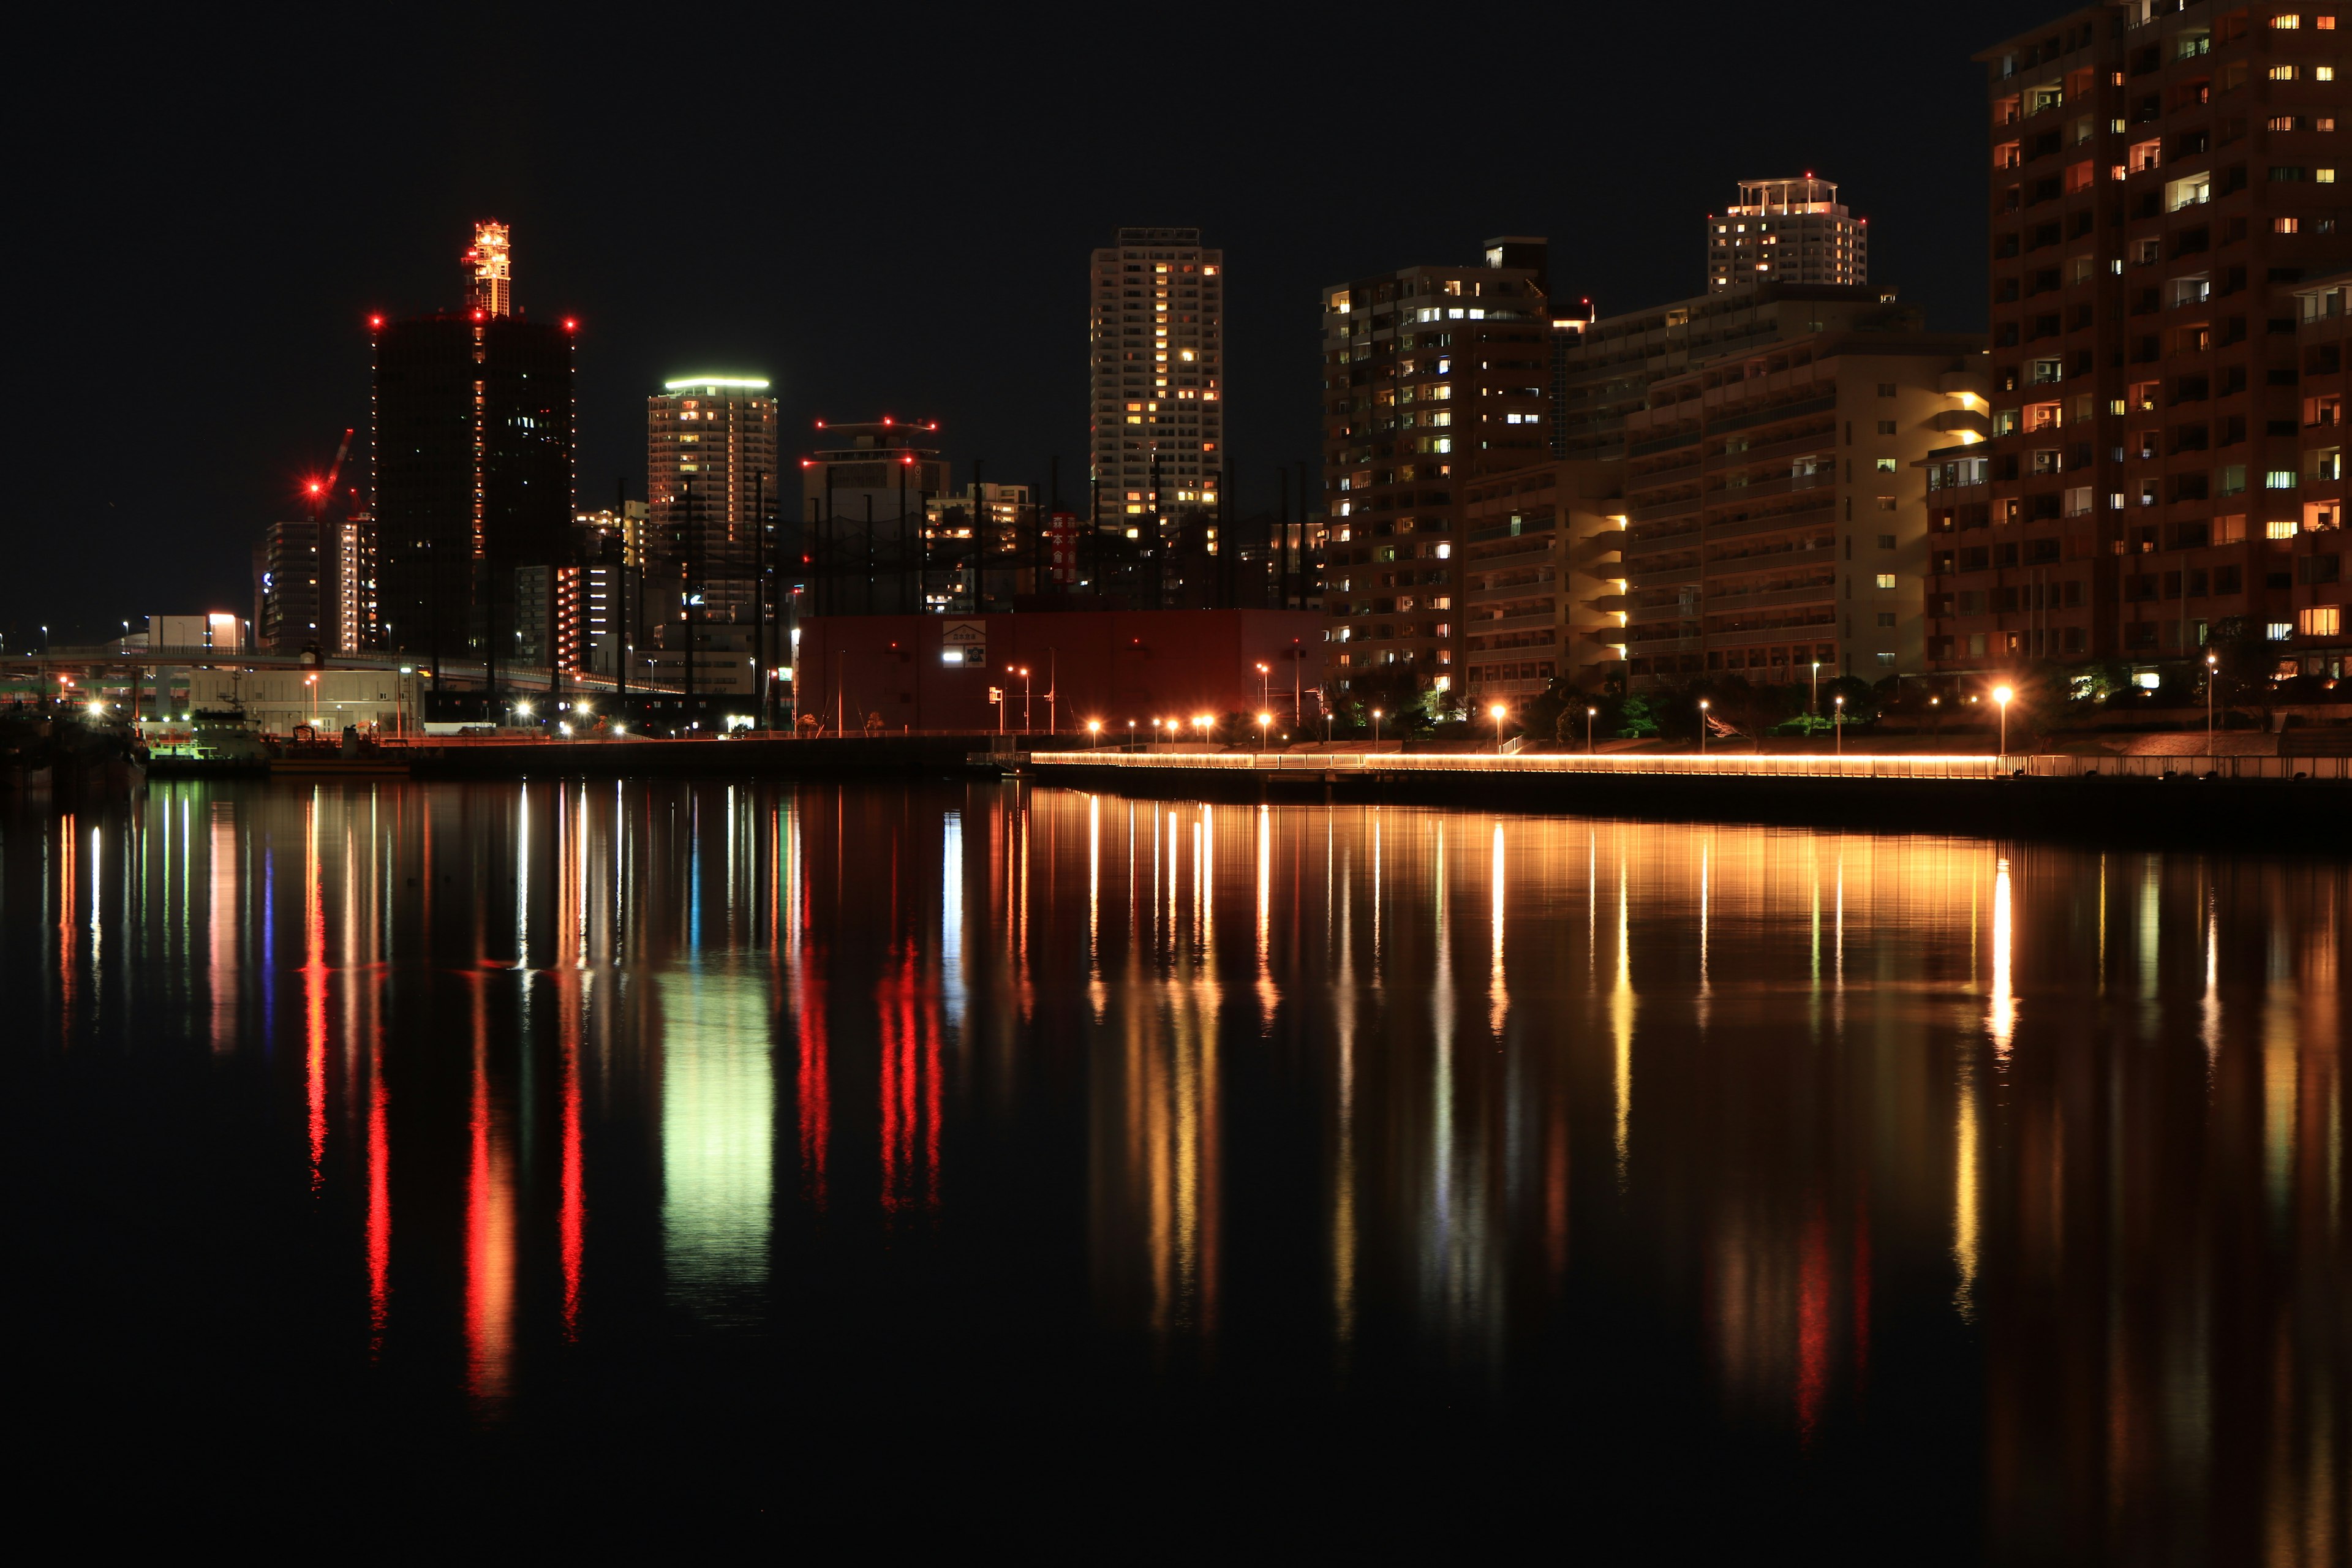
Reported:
(2315, 642)
(1767, 439)
(470, 442)
(1786, 231)
(710, 477)
(1155, 357)
(492, 264)
(1432, 377)
(317, 586)
(2162, 179)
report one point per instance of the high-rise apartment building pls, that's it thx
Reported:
(317, 588)
(1432, 377)
(1156, 356)
(295, 593)
(1736, 494)
(1786, 231)
(711, 488)
(2163, 178)
(470, 444)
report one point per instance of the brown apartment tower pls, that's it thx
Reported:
(1432, 376)
(2164, 179)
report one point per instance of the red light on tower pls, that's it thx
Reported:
(375, 322)
(886, 419)
(477, 315)
(571, 323)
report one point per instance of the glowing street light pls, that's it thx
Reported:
(2212, 667)
(1376, 726)
(1203, 720)
(1590, 715)
(2002, 694)
(1496, 713)
(1702, 726)
(1264, 673)
(1094, 733)
(1837, 724)
(1263, 721)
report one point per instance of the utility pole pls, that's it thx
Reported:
(759, 594)
(621, 616)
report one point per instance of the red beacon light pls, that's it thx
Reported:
(375, 322)
(477, 316)
(571, 323)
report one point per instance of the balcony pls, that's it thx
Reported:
(1533, 621)
(1819, 592)
(1667, 577)
(1534, 556)
(1510, 590)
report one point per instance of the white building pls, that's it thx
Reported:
(1788, 231)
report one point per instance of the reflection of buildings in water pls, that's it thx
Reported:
(1156, 1187)
(221, 924)
(907, 1013)
(718, 1110)
(489, 1222)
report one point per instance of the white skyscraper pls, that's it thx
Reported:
(1786, 231)
(1157, 347)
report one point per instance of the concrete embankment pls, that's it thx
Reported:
(1993, 798)
(855, 754)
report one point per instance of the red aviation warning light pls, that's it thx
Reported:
(571, 323)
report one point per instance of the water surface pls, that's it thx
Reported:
(988, 1159)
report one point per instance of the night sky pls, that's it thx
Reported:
(886, 210)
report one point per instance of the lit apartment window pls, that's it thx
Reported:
(1886, 580)
(2320, 621)
(2279, 479)
(2280, 631)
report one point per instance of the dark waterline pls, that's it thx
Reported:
(977, 1158)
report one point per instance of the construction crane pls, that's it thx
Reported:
(318, 490)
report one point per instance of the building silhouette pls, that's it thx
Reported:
(471, 445)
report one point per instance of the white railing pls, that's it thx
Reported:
(1730, 766)
(1747, 765)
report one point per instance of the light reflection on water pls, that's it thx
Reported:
(2040, 1149)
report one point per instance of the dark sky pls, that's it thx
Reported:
(886, 209)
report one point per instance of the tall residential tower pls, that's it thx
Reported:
(1156, 337)
(1786, 231)
(711, 486)
(1432, 376)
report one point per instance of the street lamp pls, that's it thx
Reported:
(1263, 721)
(1023, 674)
(2002, 694)
(1094, 733)
(1376, 726)
(1590, 715)
(1203, 720)
(1814, 704)
(1263, 673)
(2212, 667)
(1496, 713)
(1837, 724)
(1702, 726)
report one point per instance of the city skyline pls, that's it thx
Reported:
(815, 317)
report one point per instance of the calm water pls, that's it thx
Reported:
(901, 1157)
